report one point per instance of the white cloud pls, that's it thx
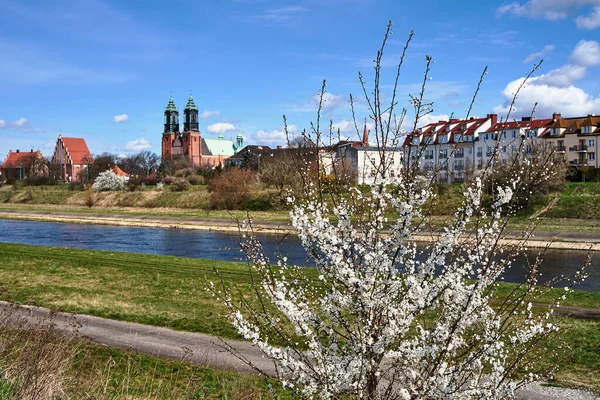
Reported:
(538, 54)
(278, 16)
(569, 100)
(138, 145)
(555, 10)
(591, 21)
(562, 77)
(220, 127)
(21, 122)
(586, 53)
(275, 137)
(270, 137)
(120, 118)
(207, 114)
(330, 102)
(555, 91)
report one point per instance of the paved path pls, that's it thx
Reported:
(198, 348)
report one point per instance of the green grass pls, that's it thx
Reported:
(171, 291)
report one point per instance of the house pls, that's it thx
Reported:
(576, 139)
(72, 157)
(190, 144)
(447, 147)
(360, 161)
(118, 171)
(502, 139)
(21, 164)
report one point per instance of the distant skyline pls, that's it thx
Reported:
(104, 69)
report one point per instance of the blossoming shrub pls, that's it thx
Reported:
(108, 181)
(387, 319)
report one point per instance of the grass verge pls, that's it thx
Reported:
(171, 291)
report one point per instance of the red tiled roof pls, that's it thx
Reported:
(78, 150)
(119, 171)
(14, 159)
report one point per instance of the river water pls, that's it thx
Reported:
(223, 246)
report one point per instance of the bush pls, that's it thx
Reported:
(230, 190)
(196, 180)
(89, 198)
(39, 180)
(75, 187)
(179, 185)
(108, 181)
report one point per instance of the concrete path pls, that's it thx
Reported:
(197, 348)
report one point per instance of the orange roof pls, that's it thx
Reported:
(119, 171)
(78, 150)
(14, 159)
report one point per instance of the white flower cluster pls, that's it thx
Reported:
(387, 319)
(108, 181)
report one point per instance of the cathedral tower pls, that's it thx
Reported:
(170, 133)
(191, 141)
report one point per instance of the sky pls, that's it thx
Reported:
(104, 69)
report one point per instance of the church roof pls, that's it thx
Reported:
(171, 106)
(217, 147)
(77, 150)
(191, 105)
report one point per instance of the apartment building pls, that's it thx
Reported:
(454, 149)
(576, 139)
(447, 147)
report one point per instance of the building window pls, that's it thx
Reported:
(591, 143)
(479, 152)
(514, 134)
(586, 129)
(591, 156)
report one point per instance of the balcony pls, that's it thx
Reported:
(582, 148)
(560, 149)
(459, 154)
(428, 156)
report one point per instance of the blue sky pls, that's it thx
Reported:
(103, 69)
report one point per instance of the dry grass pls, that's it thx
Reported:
(39, 362)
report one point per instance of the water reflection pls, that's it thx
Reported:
(224, 246)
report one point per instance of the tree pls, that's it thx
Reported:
(140, 164)
(385, 319)
(102, 162)
(540, 169)
(108, 181)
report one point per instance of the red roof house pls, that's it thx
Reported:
(74, 157)
(119, 171)
(20, 164)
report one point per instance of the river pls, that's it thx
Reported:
(223, 246)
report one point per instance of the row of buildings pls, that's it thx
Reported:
(456, 148)
(71, 157)
(453, 148)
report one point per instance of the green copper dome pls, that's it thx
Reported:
(190, 104)
(171, 106)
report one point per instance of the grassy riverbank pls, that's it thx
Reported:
(171, 291)
(576, 209)
(42, 363)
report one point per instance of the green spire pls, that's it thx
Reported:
(171, 106)
(190, 104)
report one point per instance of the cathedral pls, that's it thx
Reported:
(189, 144)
